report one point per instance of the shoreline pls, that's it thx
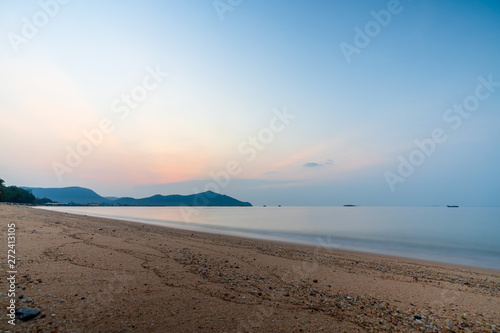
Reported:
(134, 277)
(295, 239)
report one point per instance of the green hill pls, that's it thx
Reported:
(84, 196)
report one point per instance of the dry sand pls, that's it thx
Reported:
(89, 274)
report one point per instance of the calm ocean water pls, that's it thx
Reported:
(464, 235)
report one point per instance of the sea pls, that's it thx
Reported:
(461, 235)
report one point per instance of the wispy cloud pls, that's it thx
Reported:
(312, 165)
(316, 165)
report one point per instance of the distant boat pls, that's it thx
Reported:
(451, 206)
(349, 205)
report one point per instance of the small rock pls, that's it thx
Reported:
(26, 313)
(99, 229)
(315, 281)
(417, 317)
(21, 296)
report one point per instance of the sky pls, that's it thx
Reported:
(287, 102)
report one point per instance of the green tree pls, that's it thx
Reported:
(2, 189)
(15, 194)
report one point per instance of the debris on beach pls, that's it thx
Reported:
(26, 313)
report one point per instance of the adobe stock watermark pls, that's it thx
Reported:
(454, 118)
(31, 26)
(323, 244)
(373, 28)
(303, 270)
(248, 150)
(122, 106)
(223, 6)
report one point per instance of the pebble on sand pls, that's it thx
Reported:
(26, 313)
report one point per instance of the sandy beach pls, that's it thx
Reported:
(88, 274)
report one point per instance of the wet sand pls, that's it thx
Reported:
(89, 274)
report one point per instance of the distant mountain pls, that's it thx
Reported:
(77, 195)
(208, 198)
(83, 196)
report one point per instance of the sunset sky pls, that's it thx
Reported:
(286, 102)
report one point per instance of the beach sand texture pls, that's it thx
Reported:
(88, 274)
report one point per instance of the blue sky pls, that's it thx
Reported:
(351, 120)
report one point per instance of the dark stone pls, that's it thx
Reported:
(315, 281)
(417, 317)
(25, 313)
(21, 296)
